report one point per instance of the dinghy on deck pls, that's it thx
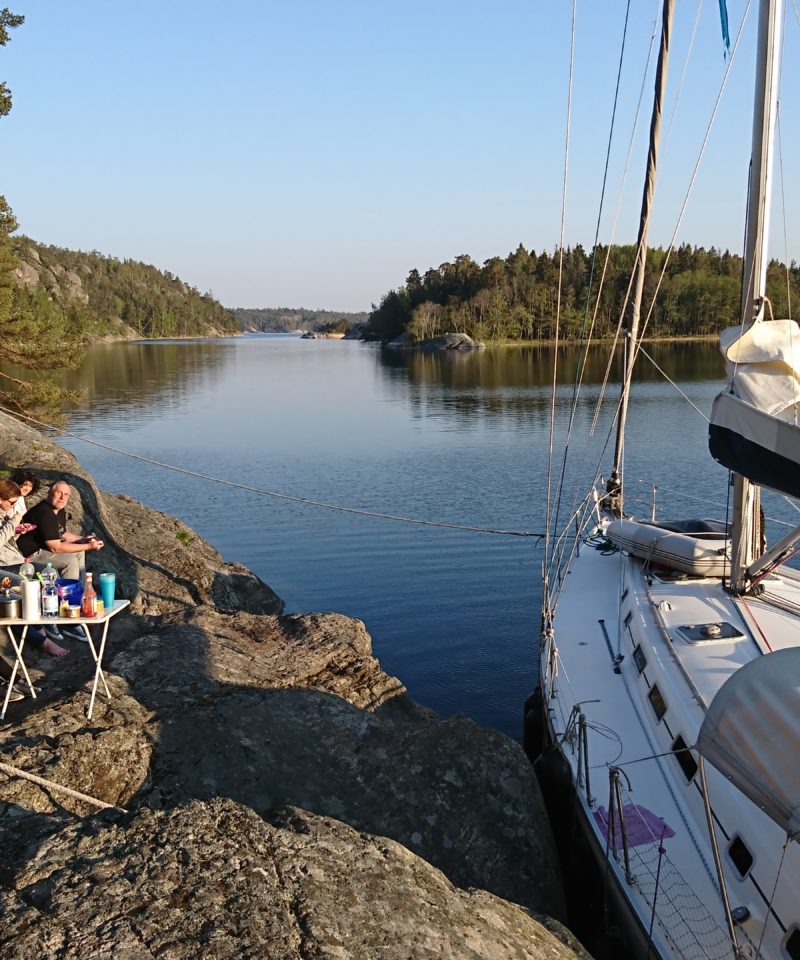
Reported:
(700, 548)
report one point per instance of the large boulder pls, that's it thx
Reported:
(453, 341)
(447, 341)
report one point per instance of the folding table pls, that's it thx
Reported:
(101, 622)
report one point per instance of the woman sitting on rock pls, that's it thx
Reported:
(11, 559)
(28, 483)
(10, 526)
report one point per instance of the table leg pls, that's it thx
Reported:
(18, 662)
(98, 658)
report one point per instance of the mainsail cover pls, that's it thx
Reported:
(755, 423)
(751, 734)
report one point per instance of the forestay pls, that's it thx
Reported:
(751, 734)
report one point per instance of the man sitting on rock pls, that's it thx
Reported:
(50, 541)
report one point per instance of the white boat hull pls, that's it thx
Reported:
(632, 657)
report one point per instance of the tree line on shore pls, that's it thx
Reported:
(517, 298)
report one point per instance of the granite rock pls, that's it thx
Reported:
(213, 879)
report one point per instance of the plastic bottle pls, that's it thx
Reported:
(89, 602)
(49, 592)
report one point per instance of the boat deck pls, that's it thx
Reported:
(635, 715)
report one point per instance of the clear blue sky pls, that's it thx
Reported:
(310, 154)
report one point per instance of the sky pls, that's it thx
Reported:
(311, 154)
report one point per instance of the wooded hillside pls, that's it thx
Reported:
(516, 298)
(93, 295)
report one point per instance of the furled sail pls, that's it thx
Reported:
(751, 733)
(755, 423)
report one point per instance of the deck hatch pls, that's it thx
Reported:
(742, 859)
(684, 757)
(710, 632)
(658, 703)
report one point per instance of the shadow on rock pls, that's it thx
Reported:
(294, 711)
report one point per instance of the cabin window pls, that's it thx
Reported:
(792, 946)
(639, 658)
(658, 703)
(685, 759)
(628, 618)
(742, 859)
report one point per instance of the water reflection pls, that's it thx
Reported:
(461, 438)
(502, 367)
(514, 383)
(133, 376)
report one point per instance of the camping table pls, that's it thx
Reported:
(101, 622)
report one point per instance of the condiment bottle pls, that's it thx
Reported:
(89, 602)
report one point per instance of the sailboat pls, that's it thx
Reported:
(669, 678)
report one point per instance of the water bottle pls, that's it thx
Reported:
(49, 592)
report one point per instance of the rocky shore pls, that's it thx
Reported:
(272, 791)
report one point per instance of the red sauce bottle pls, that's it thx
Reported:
(89, 602)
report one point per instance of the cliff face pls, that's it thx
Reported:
(102, 296)
(282, 794)
(61, 284)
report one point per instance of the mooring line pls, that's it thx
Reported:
(272, 493)
(58, 787)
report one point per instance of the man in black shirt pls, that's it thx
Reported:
(50, 541)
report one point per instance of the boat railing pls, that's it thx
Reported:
(576, 733)
(638, 841)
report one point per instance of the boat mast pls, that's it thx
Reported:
(746, 533)
(615, 484)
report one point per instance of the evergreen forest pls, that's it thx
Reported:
(516, 298)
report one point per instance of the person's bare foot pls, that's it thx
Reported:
(49, 646)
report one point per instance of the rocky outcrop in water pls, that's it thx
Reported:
(283, 795)
(447, 341)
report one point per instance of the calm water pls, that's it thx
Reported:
(461, 439)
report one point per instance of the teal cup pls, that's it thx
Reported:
(108, 584)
